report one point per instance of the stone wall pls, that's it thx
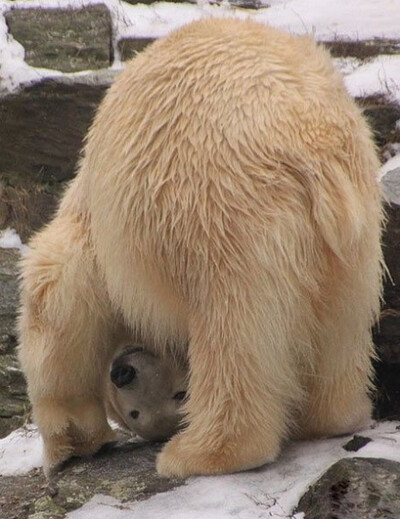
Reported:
(43, 121)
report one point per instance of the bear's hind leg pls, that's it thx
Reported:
(65, 341)
(339, 400)
(241, 383)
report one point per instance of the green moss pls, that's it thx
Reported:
(46, 508)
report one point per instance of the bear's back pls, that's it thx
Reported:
(222, 117)
(218, 90)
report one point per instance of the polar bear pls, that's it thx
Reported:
(226, 207)
(145, 393)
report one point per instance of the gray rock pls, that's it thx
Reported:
(353, 489)
(43, 125)
(129, 47)
(64, 39)
(8, 291)
(387, 332)
(382, 114)
(14, 404)
(362, 49)
(25, 205)
(126, 473)
(13, 399)
(356, 443)
(391, 185)
(245, 4)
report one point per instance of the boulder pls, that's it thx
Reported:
(13, 399)
(355, 488)
(387, 332)
(382, 113)
(247, 4)
(25, 205)
(43, 125)
(129, 47)
(8, 293)
(362, 49)
(69, 40)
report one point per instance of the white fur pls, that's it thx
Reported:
(227, 198)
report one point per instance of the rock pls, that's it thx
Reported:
(367, 488)
(387, 332)
(356, 443)
(391, 186)
(244, 4)
(126, 473)
(8, 291)
(64, 39)
(129, 47)
(249, 4)
(382, 114)
(13, 399)
(43, 125)
(14, 404)
(362, 49)
(25, 206)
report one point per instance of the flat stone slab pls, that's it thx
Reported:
(367, 488)
(26, 205)
(387, 332)
(8, 290)
(43, 125)
(362, 49)
(13, 398)
(129, 47)
(382, 114)
(126, 473)
(246, 4)
(64, 39)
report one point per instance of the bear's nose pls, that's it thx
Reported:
(122, 375)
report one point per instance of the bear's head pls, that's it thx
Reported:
(146, 393)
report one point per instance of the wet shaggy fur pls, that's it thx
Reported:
(227, 198)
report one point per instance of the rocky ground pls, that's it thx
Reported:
(125, 473)
(43, 124)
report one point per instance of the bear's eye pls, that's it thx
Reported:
(122, 375)
(135, 414)
(179, 396)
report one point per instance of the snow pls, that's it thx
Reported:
(328, 20)
(381, 75)
(332, 19)
(390, 165)
(272, 491)
(21, 451)
(9, 239)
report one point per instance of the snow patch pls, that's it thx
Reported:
(335, 19)
(381, 75)
(390, 165)
(330, 20)
(21, 451)
(272, 491)
(9, 239)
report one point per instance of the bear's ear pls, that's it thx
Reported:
(122, 374)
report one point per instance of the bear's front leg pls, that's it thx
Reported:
(70, 429)
(239, 405)
(65, 341)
